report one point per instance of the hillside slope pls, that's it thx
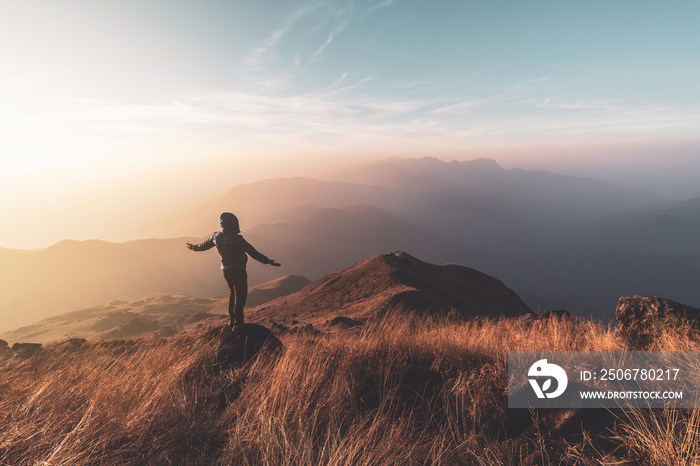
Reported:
(395, 282)
(408, 390)
(157, 314)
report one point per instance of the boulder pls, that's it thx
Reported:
(26, 350)
(643, 318)
(344, 322)
(166, 331)
(278, 328)
(307, 329)
(633, 311)
(239, 346)
(3, 345)
(71, 344)
(562, 314)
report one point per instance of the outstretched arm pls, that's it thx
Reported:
(208, 244)
(252, 252)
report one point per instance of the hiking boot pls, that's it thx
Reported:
(238, 328)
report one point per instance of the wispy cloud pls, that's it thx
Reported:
(255, 56)
(351, 109)
(607, 106)
(500, 96)
(380, 5)
(460, 108)
(333, 89)
(334, 20)
(323, 46)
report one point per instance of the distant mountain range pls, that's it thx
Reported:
(422, 191)
(486, 181)
(558, 241)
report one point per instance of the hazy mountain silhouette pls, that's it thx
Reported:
(558, 241)
(648, 251)
(484, 179)
(395, 282)
(326, 240)
(672, 227)
(75, 274)
(117, 319)
(593, 281)
(477, 200)
(260, 202)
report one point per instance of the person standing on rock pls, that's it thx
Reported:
(232, 248)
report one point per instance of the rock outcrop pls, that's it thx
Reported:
(25, 350)
(70, 345)
(240, 346)
(643, 318)
(640, 310)
(344, 322)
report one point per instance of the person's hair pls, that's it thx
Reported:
(229, 222)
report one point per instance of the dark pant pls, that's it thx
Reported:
(238, 284)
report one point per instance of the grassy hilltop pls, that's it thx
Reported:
(404, 390)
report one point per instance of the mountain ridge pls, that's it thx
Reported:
(394, 282)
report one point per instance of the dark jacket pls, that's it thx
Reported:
(232, 248)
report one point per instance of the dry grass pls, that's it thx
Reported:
(405, 391)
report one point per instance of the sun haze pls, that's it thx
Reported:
(115, 112)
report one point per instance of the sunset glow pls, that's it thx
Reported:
(138, 108)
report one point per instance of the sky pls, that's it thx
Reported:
(115, 112)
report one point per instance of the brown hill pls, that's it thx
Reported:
(78, 274)
(275, 288)
(265, 292)
(162, 314)
(394, 282)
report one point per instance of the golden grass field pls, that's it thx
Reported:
(406, 390)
